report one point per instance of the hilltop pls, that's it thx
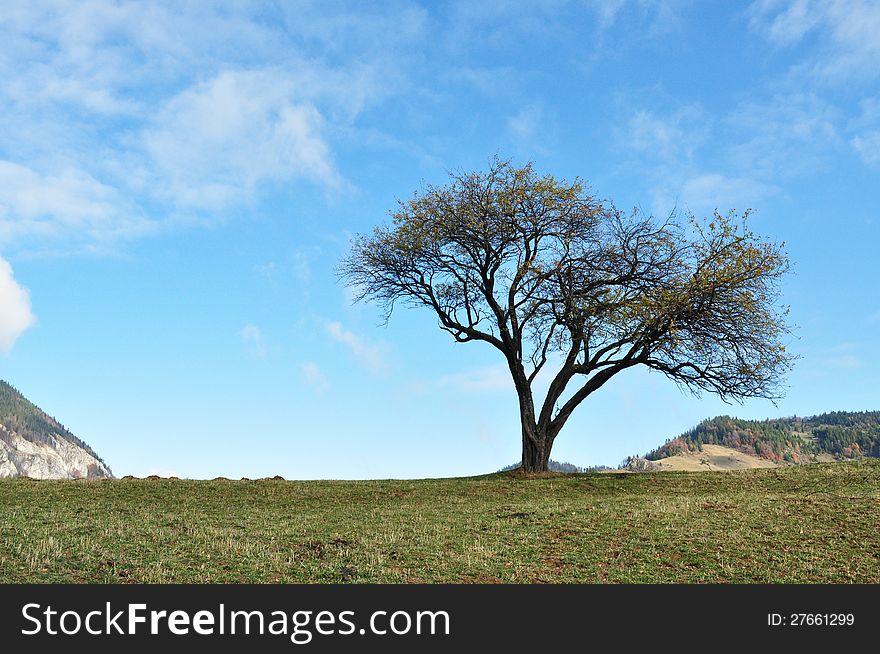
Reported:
(34, 444)
(792, 524)
(836, 436)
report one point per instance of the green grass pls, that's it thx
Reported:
(809, 524)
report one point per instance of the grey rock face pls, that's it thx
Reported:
(57, 458)
(638, 464)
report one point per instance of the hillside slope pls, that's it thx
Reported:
(839, 435)
(33, 444)
(711, 458)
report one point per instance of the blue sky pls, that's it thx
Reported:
(177, 184)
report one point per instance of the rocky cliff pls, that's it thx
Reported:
(33, 444)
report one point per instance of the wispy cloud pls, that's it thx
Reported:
(252, 338)
(669, 150)
(847, 31)
(201, 106)
(845, 361)
(784, 22)
(530, 128)
(864, 131)
(786, 135)
(16, 315)
(496, 377)
(606, 11)
(303, 257)
(314, 377)
(867, 145)
(485, 379)
(831, 43)
(674, 136)
(370, 355)
(504, 24)
(66, 205)
(708, 191)
(266, 270)
(844, 356)
(215, 142)
(733, 159)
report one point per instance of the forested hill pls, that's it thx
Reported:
(840, 434)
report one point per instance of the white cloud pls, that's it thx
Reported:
(68, 205)
(671, 137)
(784, 136)
(867, 145)
(833, 43)
(252, 338)
(735, 159)
(844, 356)
(606, 11)
(267, 270)
(500, 23)
(496, 378)
(485, 379)
(655, 17)
(529, 125)
(369, 355)
(704, 193)
(314, 377)
(15, 309)
(848, 33)
(669, 149)
(647, 133)
(845, 362)
(784, 22)
(140, 116)
(302, 262)
(214, 142)
(865, 130)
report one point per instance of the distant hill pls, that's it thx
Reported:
(556, 466)
(838, 435)
(709, 457)
(33, 444)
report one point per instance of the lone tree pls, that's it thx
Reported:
(551, 276)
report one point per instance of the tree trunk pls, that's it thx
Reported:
(536, 442)
(535, 453)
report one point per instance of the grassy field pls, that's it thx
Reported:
(811, 524)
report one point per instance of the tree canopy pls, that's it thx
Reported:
(551, 275)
